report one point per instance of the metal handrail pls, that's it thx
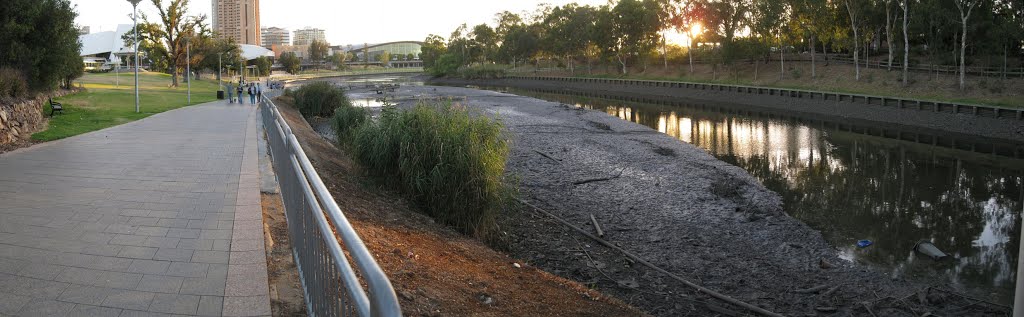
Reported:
(315, 222)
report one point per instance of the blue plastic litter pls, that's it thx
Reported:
(864, 243)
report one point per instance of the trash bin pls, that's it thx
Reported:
(220, 95)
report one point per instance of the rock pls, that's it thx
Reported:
(630, 283)
(516, 265)
(3, 116)
(406, 295)
(14, 131)
(824, 264)
(486, 299)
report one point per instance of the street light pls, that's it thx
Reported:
(188, 68)
(135, 27)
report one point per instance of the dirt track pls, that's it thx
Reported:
(674, 205)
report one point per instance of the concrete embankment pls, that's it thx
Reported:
(896, 114)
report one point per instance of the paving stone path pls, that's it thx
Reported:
(157, 216)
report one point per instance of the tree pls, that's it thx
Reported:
(318, 51)
(432, 49)
(40, 41)
(853, 10)
(340, 60)
(291, 63)
(965, 7)
(176, 27)
(486, 42)
(384, 58)
(262, 65)
(634, 27)
(410, 56)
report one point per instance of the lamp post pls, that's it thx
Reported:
(188, 68)
(135, 27)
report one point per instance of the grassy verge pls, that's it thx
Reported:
(105, 103)
(448, 161)
(833, 78)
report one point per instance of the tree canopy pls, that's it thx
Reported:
(39, 41)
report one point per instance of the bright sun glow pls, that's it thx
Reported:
(683, 39)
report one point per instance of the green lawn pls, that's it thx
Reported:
(104, 104)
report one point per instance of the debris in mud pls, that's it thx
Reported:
(630, 283)
(600, 179)
(664, 151)
(930, 250)
(600, 125)
(864, 243)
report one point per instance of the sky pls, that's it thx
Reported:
(346, 22)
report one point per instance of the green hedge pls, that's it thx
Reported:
(319, 99)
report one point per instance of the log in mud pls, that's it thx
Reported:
(677, 207)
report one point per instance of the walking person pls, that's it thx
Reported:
(231, 90)
(259, 92)
(239, 91)
(252, 94)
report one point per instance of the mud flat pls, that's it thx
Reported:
(676, 206)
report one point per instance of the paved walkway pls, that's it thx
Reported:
(157, 216)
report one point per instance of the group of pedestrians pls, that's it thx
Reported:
(254, 91)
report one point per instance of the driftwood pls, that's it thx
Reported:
(830, 291)
(631, 256)
(547, 156)
(599, 179)
(597, 226)
(811, 290)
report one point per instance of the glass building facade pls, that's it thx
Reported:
(399, 50)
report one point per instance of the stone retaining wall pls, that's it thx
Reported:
(19, 120)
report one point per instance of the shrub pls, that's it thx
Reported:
(446, 65)
(482, 72)
(319, 99)
(346, 120)
(448, 161)
(12, 83)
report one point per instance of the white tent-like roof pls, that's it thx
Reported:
(251, 52)
(106, 42)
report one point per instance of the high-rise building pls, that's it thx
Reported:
(307, 35)
(238, 20)
(271, 36)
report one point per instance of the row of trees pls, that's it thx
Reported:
(38, 45)
(631, 33)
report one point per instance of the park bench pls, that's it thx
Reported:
(55, 107)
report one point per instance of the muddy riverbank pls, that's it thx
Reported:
(676, 206)
(892, 117)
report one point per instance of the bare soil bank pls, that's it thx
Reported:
(678, 207)
(964, 124)
(434, 270)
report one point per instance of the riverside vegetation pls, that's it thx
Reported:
(448, 161)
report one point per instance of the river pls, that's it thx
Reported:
(852, 186)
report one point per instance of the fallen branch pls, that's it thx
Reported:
(811, 290)
(830, 291)
(974, 299)
(548, 156)
(602, 179)
(600, 233)
(633, 257)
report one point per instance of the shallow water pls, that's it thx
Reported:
(964, 197)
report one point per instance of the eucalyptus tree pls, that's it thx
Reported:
(635, 30)
(853, 10)
(177, 27)
(905, 5)
(965, 7)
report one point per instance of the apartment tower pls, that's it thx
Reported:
(238, 20)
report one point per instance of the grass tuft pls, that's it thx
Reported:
(450, 162)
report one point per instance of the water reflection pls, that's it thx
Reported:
(851, 186)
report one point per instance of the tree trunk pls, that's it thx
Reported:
(813, 74)
(782, 58)
(664, 51)
(1004, 61)
(888, 31)
(906, 42)
(963, 54)
(853, 25)
(824, 50)
(690, 52)
(622, 61)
